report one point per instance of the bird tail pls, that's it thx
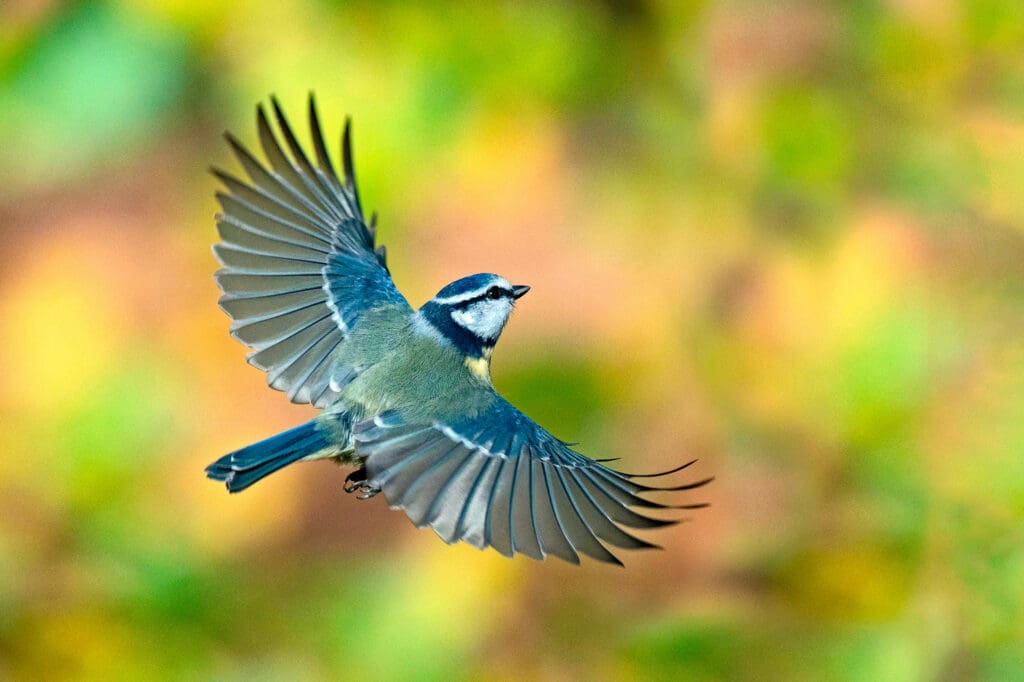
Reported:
(241, 468)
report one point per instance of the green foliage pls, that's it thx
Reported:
(97, 83)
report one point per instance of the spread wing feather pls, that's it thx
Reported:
(299, 262)
(499, 480)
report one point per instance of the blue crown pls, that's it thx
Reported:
(467, 285)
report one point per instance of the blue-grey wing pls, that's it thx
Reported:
(499, 480)
(299, 262)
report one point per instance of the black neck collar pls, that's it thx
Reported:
(469, 344)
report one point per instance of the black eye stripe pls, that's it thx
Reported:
(503, 293)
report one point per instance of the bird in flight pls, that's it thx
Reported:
(405, 396)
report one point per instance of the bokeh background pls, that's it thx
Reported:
(785, 238)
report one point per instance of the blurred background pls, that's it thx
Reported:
(785, 238)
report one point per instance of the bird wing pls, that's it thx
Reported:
(500, 480)
(300, 266)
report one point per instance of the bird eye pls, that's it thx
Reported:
(494, 292)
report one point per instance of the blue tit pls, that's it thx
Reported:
(405, 395)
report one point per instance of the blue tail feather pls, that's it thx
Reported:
(241, 468)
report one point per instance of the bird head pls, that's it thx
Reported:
(470, 312)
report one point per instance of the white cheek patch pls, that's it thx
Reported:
(486, 319)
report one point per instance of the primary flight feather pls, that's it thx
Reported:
(405, 395)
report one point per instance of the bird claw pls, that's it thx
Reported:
(355, 482)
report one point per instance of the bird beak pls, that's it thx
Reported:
(519, 290)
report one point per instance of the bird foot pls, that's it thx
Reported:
(355, 482)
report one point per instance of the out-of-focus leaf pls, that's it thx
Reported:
(808, 139)
(697, 650)
(92, 87)
(563, 391)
